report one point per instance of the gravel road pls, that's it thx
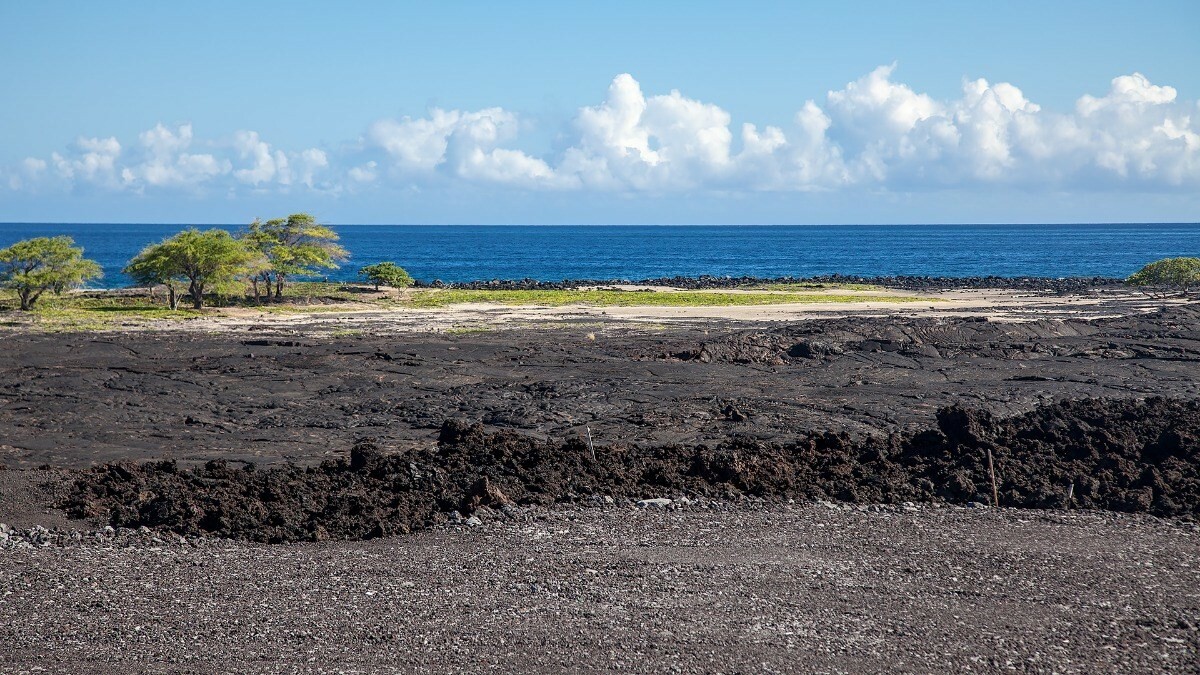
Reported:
(704, 588)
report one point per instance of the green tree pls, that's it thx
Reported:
(295, 246)
(207, 260)
(34, 266)
(1170, 274)
(386, 274)
(159, 264)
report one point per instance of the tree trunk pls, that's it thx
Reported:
(254, 284)
(26, 299)
(172, 298)
(278, 286)
(197, 291)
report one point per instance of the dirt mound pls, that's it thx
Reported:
(1120, 455)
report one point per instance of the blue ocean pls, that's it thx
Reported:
(551, 253)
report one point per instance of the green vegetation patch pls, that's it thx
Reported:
(90, 311)
(810, 286)
(114, 310)
(609, 298)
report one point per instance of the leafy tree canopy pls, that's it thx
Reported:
(1169, 273)
(156, 264)
(386, 274)
(159, 264)
(205, 259)
(295, 246)
(34, 266)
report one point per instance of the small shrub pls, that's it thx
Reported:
(386, 274)
(1168, 274)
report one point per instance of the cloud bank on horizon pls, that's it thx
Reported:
(875, 134)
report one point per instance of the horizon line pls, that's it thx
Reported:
(897, 224)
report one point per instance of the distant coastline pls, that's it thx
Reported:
(181, 224)
(706, 282)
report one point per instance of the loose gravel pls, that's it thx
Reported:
(664, 587)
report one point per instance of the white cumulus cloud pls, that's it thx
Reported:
(94, 160)
(874, 133)
(366, 173)
(458, 144)
(658, 143)
(264, 165)
(166, 161)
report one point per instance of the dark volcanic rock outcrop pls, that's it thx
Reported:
(1125, 455)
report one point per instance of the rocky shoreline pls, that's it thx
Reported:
(706, 282)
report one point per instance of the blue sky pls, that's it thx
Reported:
(593, 113)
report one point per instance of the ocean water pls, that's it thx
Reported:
(470, 252)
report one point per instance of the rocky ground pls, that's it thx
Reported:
(607, 497)
(73, 400)
(704, 588)
(1139, 457)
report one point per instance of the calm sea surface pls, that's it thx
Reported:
(468, 252)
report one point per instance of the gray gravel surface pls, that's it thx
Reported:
(704, 588)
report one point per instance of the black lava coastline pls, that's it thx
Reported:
(706, 282)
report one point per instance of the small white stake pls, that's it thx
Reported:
(992, 471)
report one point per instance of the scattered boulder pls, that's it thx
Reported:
(760, 348)
(731, 413)
(814, 349)
(484, 493)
